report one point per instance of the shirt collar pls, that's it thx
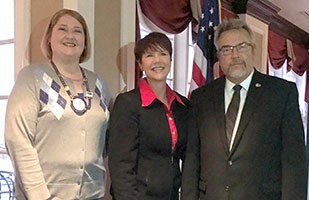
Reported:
(245, 84)
(148, 96)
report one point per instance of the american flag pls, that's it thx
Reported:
(205, 51)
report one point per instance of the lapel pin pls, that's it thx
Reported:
(258, 85)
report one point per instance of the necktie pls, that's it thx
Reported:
(231, 113)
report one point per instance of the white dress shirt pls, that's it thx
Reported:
(228, 94)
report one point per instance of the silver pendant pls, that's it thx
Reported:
(78, 105)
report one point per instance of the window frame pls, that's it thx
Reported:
(22, 27)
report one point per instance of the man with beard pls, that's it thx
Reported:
(260, 152)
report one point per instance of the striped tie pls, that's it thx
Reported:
(231, 113)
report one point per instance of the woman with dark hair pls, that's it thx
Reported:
(147, 132)
(57, 118)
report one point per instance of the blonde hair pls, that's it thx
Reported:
(45, 43)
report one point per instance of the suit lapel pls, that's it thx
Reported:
(252, 101)
(220, 111)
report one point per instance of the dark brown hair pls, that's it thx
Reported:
(153, 41)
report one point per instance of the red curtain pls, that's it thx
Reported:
(172, 16)
(277, 49)
(300, 59)
(297, 56)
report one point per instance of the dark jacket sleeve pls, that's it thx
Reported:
(294, 165)
(191, 163)
(123, 147)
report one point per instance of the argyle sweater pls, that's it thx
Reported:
(54, 151)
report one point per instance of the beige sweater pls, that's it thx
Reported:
(55, 153)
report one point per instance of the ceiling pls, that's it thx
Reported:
(294, 11)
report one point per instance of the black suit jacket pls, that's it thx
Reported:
(267, 160)
(141, 161)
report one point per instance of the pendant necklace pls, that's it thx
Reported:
(78, 104)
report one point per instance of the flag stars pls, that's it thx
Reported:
(202, 29)
(211, 24)
(207, 24)
(202, 16)
(212, 10)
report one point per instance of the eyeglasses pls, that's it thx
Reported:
(240, 48)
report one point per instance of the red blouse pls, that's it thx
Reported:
(148, 96)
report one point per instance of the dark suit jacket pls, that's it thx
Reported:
(267, 160)
(141, 162)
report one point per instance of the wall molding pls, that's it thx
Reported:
(268, 13)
